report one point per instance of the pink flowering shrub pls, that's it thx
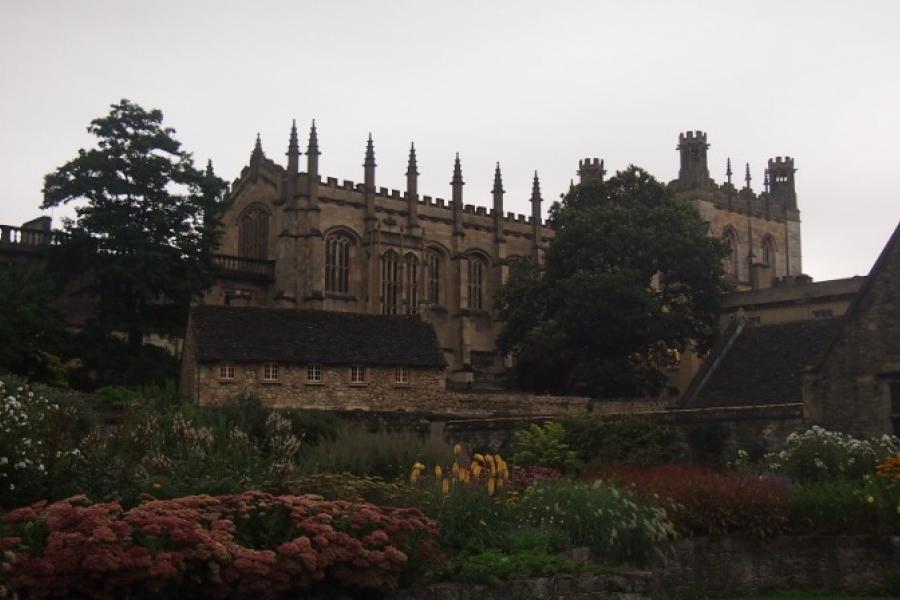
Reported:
(247, 545)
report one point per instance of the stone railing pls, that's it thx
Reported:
(239, 267)
(18, 236)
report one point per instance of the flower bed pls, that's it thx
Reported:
(227, 546)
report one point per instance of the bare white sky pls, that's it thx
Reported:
(533, 84)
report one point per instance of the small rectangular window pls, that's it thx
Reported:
(895, 398)
(823, 314)
(357, 374)
(314, 374)
(226, 371)
(401, 375)
(270, 372)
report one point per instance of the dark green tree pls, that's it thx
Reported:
(146, 223)
(630, 275)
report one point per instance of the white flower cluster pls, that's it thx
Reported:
(818, 454)
(23, 425)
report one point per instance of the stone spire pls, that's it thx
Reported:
(293, 151)
(747, 177)
(412, 187)
(457, 184)
(766, 180)
(257, 150)
(312, 166)
(369, 179)
(498, 192)
(209, 169)
(728, 172)
(536, 218)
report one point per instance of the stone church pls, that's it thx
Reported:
(294, 239)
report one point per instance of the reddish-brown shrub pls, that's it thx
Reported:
(227, 546)
(702, 502)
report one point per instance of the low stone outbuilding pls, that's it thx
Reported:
(311, 358)
(855, 385)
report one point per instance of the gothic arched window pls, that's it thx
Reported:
(768, 251)
(476, 272)
(411, 267)
(337, 263)
(729, 238)
(391, 283)
(253, 233)
(434, 264)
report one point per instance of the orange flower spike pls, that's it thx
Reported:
(445, 486)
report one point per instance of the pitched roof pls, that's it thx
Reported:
(249, 334)
(892, 246)
(760, 365)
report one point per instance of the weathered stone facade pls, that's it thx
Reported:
(296, 240)
(856, 385)
(762, 230)
(335, 391)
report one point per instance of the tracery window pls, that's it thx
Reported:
(337, 263)
(435, 268)
(476, 269)
(391, 283)
(731, 257)
(768, 251)
(253, 233)
(411, 281)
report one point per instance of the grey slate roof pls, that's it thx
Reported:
(760, 365)
(250, 334)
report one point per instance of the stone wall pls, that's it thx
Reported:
(715, 567)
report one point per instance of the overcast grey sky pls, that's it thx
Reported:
(533, 84)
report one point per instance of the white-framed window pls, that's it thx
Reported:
(226, 371)
(270, 372)
(357, 374)
(826, 313)
(401, 375)
(314, 374)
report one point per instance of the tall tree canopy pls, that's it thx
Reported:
(630, 276)
(146, 222)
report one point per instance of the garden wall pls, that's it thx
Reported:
(727, 566)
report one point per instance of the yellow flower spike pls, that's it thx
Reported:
(457, 450)
(445, 486)
(498, 459)
(476, 469)
(455, 469)
(490, 486)
(438, 472)
(489, 459)
(479, 458)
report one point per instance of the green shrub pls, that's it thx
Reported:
(380, 453)
(544, 446)
(117, 396)
(846, 506)
(707, 444)
(629, 440)
(616, 524)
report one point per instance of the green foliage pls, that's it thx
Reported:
(247, 413)
(621, 440)
(117, 396)
(843, 506)
(630, 274)
(108, 361)
(381, 453)
(616, 524)
(707, 444)
(146, 223)
(31, 328)
(544, 446)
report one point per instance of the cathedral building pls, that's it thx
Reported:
(294, 239)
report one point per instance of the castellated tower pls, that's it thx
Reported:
(694, 170)
(760, 230)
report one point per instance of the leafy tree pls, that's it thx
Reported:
(146, 222)
(31, 329)
(630, 275)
